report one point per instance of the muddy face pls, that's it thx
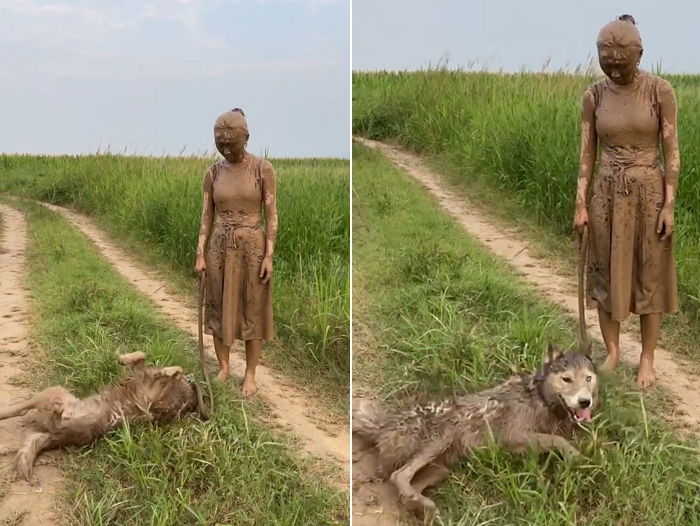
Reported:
(167, 391)
(231, 135)
(620, 49)
(180, 390)
(620, 64)
(571, 382)
(231, 143)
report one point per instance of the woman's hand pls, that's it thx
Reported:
(200, 265)
(266, 269)
(665, 225)
(580, 219)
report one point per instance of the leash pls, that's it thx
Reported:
(583, 339)
(200, 334)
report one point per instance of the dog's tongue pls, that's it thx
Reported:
(584, 414)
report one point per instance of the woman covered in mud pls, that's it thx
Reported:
(631, 267)
(234, 249)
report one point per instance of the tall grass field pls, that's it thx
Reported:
(516, 137)
(156, 202)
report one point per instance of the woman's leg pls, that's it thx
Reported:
(252, 356)
(611, 336)
(651, 327)
(222, 353)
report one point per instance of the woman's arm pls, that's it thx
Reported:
(669, 140)
(589, 145)
(672, 158)
(269, 190)
(207, 213)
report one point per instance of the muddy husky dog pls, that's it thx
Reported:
(540, 410)
(155, 394)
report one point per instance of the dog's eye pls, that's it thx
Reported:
(589, 378)
(567, 379)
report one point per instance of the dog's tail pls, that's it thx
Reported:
(17, 409)
(35, 444)
(366, 418)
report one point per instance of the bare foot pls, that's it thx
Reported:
(249, 386)
(610, 363)
(645, 376)
(223, 375)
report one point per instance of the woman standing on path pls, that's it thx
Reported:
(631, 266)
(237, 252)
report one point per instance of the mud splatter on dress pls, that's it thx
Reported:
(630, 269)
(239, 304)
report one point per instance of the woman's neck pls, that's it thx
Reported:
(237, 160)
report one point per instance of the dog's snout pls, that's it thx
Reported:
(584, 402)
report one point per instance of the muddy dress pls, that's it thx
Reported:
(238, 303)
(630, 269)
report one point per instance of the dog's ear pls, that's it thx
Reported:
(587, 351)
(553, 352)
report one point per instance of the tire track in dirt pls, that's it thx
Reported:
(291, 409)
(374, 502)
(20, 502)
(510, 246)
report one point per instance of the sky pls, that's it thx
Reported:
(150, 77)
(512, 35)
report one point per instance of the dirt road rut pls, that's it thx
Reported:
(20, 502)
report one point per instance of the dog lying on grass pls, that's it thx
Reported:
(540, 410)
(155, 394)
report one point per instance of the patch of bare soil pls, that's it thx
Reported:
(20, 502)
(374, 502)
(291, 410)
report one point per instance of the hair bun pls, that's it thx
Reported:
(627, 18)
(239, 110)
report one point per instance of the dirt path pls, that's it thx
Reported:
(20, 502)
(291, 410)
(374, 502)
(510, 246)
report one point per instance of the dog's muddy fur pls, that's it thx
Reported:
(58, 419)
(540, 411)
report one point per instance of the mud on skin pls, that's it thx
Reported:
(630, 210)
(234, 248)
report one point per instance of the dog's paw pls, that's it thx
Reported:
(172, 371)
(132, 359)
(421, 506)
(24, 468)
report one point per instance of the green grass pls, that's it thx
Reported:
(449, 317)
(228, 470)
(155, 203)
(512, 141)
